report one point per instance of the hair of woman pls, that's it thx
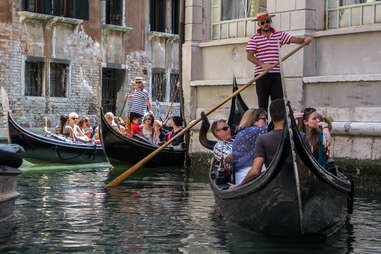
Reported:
(82, 120)
(312, 136)
(250, 117)
(63, 120)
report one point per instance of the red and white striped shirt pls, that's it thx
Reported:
(266, 49)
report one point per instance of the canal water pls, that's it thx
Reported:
(154, 211)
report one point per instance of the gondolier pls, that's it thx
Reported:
(140, 101)
(263, 51)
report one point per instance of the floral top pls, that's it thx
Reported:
(221, 150)
(244, 146)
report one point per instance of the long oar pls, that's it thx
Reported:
(131, 170)
(173, 100)
(124, 105)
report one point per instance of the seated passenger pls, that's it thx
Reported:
(84, 128)
(147, 128)
(120, 125)
(253, 124)
(325, 126)
(223, 149)
(267, 144)
(69, 127)
(311, 127)
(79, 135)
(158, 137)
(109, 116)
(95, 138)
(135, 127)
(63, 122)
(175, 123)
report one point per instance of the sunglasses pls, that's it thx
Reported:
(267, 21)
(262, 118)
(225, 128)
(75, 118)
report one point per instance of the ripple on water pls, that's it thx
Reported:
(165, 211)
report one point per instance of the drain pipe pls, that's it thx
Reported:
(370, 129)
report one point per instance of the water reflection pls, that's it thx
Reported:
(161, 211)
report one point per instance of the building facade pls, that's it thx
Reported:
(338, 73)
(62, 56)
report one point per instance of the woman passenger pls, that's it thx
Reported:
(63, 122)
(147, 129)
(253, 124)
(158, 137)
(83, 123)
(311, 127)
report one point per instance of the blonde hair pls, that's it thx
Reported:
(250, 117)
(73, 115)
(158, 123)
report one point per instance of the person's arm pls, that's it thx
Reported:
(149, 105)
(254, 171)
(300, 40)
(254, 60)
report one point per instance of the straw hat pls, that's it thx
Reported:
(139, 79)
(263, 15)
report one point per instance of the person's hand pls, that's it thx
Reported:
(298, 115)
(178, 84)
(307, 40)
(233, 186)
(228, 158)
(128, 96)
(266, 66)
(323, 125)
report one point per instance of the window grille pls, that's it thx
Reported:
(159, 86)
(33, 78)
(67, 8)
(58, 79)
(174, 78)
(349, 13)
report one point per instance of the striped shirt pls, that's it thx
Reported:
(266, 49)
(139, 102)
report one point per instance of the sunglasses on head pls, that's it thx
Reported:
(225, 128)
(267, 21)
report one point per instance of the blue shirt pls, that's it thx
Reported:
(244, 146)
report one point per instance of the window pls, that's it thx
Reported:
(114, 12)
(159, 85)
(175, 77)
(58, 79)
(68, 8)
(348, 13)
(33, 77)
(232, 18)
(158, 15)
(175, 16)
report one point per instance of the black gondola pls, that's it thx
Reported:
(132, 149)
(47, 148)
(10, 160)
(289, 199)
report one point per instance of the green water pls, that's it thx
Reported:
(155, 211)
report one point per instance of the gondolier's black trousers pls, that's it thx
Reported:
(270, 85)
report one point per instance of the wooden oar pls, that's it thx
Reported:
(173, 100)
(131, 170)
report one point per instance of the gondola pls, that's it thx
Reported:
(279, 203)
(132, 149)
(51, 148)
